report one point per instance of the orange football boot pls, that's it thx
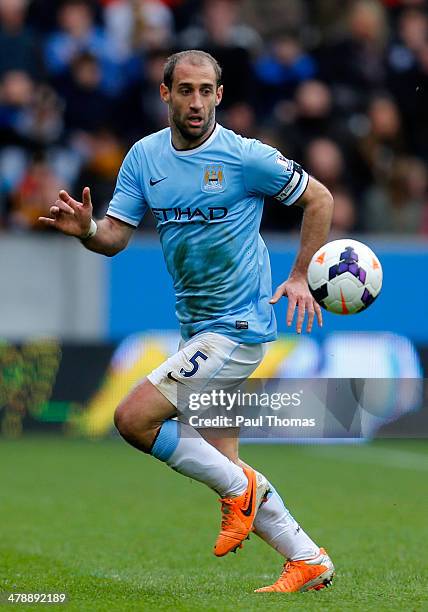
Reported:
(238, 514)
(308, 575)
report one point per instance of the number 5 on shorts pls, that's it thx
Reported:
(194, 361)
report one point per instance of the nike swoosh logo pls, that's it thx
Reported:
(248, 509)
(344, 308)
(153, 182)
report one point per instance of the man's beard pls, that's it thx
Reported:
(188, 135)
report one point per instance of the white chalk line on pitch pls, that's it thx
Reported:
(386, 457)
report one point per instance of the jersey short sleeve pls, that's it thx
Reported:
(267, 172)
(128, 203)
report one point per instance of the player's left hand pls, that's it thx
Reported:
(299, 296)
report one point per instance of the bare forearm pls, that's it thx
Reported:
(74, 218)
(108, 240)
(318, 208)
(316, 223)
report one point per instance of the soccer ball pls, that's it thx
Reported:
(345, 276)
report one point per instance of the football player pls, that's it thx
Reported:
(205, 186)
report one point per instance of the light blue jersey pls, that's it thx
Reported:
(208, 204)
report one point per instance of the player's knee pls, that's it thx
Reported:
(123, 420)
(133, 427)
(128, 421)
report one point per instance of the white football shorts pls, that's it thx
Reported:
(204, 359)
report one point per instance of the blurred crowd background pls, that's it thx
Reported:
(338, 85)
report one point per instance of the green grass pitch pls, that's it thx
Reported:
(117, 530)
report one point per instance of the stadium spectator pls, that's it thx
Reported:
(16, 96)
(220, 25)
(270, 19)
(38, 187)
(103, 155)
(241, 118)
(30, 113)
(78, 33)
(313, 116)
(408, 75)
(139, 110)
(234, 44)
(325, 160)
(44, 122)
(87, 107)
(139, 25)
(18, 44)
(413, 30)
(354, 62)
(41, 15)
(384, 139)
(344, 218)
(279, 70)
(401, 205)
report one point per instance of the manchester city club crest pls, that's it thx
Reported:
(213, 179)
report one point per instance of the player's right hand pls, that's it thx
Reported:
(70, 216)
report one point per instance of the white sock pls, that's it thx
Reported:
(275, 525)
(183, 448)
